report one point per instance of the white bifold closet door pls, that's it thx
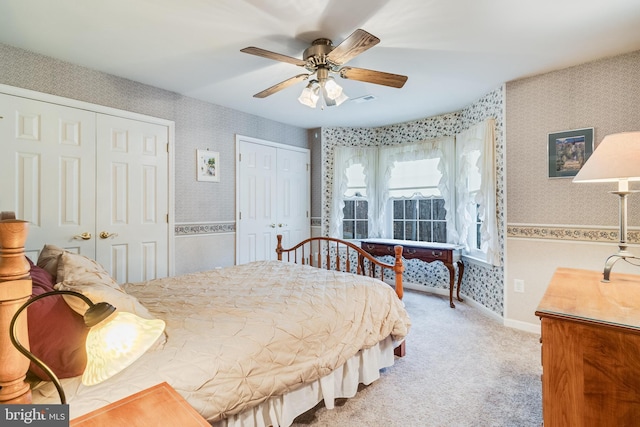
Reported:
(273, 197)
(91, 183)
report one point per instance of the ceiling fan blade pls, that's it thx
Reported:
(282, 85)
(354, 45)
(272, 55)
(371, 76)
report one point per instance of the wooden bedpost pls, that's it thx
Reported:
(279, 247)
(398, 268)
(15, 290)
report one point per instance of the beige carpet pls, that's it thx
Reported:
(462, 368)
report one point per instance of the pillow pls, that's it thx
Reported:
(48, 259)
(57, 334)
(81, 274)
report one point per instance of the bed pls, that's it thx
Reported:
(260, 343)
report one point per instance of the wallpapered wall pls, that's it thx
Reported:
(604, 95)
(204, 212)
(553, 222)
(482, 283)
(198, 125)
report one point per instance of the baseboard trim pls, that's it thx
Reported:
(515, 324)
(523, 326)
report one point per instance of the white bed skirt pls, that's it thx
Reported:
(280, 411)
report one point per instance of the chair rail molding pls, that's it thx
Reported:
(572, 233)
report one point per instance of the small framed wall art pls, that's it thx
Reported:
(208, 165)
(568, 151)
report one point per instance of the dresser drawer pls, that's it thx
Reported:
(377, 249)
(408, 252)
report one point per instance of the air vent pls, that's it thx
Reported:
(365, 98)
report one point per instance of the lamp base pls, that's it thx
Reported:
(622, 254)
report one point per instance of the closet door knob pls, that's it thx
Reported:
(83, 236)
(106, 235)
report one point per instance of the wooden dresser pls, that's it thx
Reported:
(449, 254)
(590, 350)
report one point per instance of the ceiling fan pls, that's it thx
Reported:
(321, 60)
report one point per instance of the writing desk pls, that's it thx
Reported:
(449, 254)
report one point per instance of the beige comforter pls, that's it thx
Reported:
(238, 335)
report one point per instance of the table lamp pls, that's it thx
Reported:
(115, 340)
(616, 159)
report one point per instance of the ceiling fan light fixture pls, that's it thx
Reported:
(322, 58)
(309, 96)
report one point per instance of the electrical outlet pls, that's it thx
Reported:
(518, 285)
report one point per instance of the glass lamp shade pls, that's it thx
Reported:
(309, 96)
(334, 90)
(340, 99)
(116, 343)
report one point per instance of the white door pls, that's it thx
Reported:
(272, 198)
(48, 172)
(132, 203)
(256, 211)
(76, 174)
(293, 196)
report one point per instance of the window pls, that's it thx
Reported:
(355, 222)
(418, 209)
(440, 190)
(474, 179)
(421, 219)
(408, 190)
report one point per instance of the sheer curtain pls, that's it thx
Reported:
(343, 158)
(479, 138)
(442, 148)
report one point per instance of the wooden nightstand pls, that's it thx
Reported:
(159, 405)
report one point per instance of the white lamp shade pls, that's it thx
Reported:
(334, 90)
(309, 96)
(616, 158)
(116, 343)
(340, 99)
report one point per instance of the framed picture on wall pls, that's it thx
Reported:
(568, 151)
(208, 165)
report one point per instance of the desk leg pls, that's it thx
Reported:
(452, 275)
(460, 273)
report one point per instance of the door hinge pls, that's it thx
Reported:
(167, 218)
(307, 214)
(239, 157)
(239, 215)
(307, 167)
(167, 147)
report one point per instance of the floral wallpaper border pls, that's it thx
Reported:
(204, 228)
(569, 233)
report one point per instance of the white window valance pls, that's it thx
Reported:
(442, 148)
(476, 149)
(378, 163)
(343, 158)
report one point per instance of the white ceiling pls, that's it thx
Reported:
(453, 51)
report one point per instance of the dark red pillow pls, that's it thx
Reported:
(57, 334)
